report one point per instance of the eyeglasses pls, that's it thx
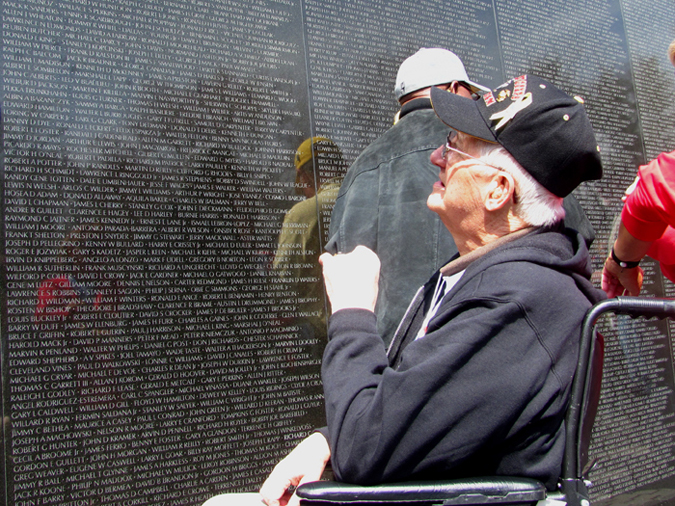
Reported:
(448, 147)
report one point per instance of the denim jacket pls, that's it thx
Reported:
(382, 205)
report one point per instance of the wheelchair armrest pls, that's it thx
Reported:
(474, 491)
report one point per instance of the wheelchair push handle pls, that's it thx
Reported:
(635, 307)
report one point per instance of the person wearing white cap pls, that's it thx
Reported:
(432, 67)
(382, 201)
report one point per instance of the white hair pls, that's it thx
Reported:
(534, 204)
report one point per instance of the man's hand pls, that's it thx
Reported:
(304, 464)
(351, 279)
(616, 280)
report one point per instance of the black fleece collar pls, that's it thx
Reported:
(414, 105)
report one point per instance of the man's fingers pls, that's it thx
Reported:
(275, 489)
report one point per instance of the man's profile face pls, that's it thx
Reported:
(457, 195)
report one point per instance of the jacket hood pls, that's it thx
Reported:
(558, 248)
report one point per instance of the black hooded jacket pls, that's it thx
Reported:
(484, 392)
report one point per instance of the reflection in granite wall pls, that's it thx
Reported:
(163, 317)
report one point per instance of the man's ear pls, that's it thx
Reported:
(500, 190)
(458, 89)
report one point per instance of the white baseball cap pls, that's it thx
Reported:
(431, 66)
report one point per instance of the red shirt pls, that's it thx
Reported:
(649, 212)
(651, 207)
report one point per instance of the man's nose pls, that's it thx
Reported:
(437, 158)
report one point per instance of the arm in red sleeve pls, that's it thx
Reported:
(651, 207)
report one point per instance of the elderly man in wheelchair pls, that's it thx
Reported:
(478, 378)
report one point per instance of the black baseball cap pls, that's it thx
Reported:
(543, 128)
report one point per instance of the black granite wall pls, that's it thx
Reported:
(162, 328)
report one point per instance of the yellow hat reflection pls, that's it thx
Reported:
(312, 147)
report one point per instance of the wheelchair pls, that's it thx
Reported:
(573, 485)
